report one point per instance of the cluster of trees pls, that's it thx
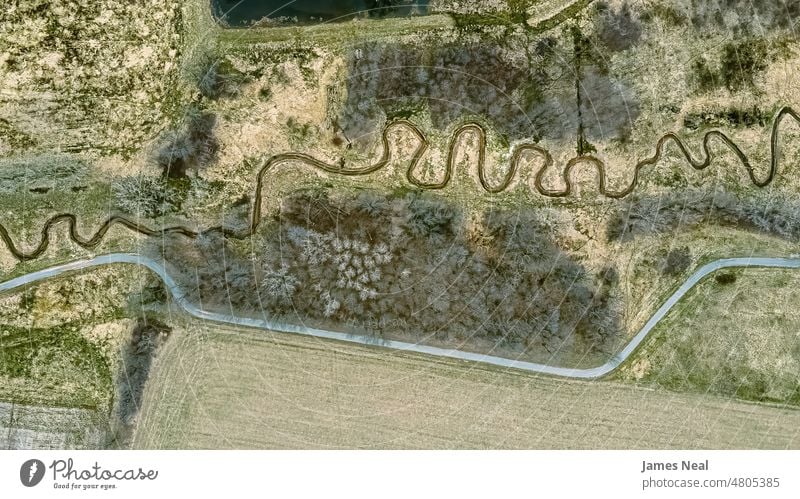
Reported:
(733, 17)
(452, 81)
(744, 16)
(647, 215)
(408, 265)
(618, 28)
(737, 63)
(525, 88)
(191, 145)
(145, 196)
(146, 338)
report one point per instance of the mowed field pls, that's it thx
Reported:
(217, 387)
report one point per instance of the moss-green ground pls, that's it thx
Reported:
(53, 366)
(60, 341)
(737, 339)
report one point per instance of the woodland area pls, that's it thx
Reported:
(524, 87)
(411, 265)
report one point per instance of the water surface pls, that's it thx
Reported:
(247, 12)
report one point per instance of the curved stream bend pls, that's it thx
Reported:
(520, 151)
(590, 373)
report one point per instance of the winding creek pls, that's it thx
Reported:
(341, 168)
(273, 325)
(271, 164)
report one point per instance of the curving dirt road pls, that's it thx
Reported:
(273, 325)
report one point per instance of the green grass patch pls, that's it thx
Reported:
(734, 334)
(54, 367)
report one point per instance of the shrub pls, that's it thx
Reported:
(193, 146)
(742, 61)
(617, 28)
(218, 78)
(676, 261)
(702, 77)
(725, 278)
(52, 171)
(310, 208)
(426, 217)
(383, 8)
(672, 16)
(730, 117)
(145, 196)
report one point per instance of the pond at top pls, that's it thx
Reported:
(246, 12)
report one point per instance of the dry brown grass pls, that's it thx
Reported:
(214, 387)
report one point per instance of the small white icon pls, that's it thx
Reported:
(32, 472)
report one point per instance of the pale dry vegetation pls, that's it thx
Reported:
(97, 76)
(224, 388)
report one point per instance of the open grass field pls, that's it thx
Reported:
(736, 334)
(216, 387)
